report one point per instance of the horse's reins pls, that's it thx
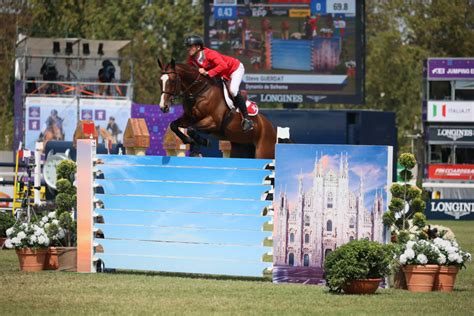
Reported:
(178, 84)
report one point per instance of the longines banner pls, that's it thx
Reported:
(450, 111)
(450, 209)
(465, 134)
(451, 172)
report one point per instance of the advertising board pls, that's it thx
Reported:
(292, 51)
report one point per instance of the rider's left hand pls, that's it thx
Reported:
(203, 71)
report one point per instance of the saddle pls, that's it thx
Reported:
(252, 107)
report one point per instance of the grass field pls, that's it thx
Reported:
(73, 293)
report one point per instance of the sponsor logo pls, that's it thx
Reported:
(299, 13)
(293, 98)
(455, 209)
(454, 134)
(438, 71)
(453, 172)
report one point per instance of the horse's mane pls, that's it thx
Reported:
(193, 71)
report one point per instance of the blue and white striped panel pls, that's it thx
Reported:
(292, 54)
(183, 257)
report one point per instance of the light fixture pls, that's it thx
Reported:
(68, 48)
(100, 51)
(85, 49)
(56, 48)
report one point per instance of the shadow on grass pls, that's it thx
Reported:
(265, 278)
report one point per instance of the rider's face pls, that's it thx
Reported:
(193, 50)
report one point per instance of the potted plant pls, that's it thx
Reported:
(451, 259)
(405, 216)
(30, 241)
(357, 267)
(6, 221)
(420, 262)
(65, 207)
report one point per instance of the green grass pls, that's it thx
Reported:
(121, 293)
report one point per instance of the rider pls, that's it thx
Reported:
(211, 63)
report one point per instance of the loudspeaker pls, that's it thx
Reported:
(56, 48)
(68, 48)
(85, 49)
(100, 51)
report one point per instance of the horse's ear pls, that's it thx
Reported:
(159, 63)
(173, 63)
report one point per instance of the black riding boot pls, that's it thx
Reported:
(247, 124)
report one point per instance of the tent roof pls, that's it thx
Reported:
(34, 46)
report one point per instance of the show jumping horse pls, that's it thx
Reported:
(205, 110)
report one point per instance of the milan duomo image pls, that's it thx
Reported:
(323, 215)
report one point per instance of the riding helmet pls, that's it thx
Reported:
(194, 40)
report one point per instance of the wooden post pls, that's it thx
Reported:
(85, 129)
(136, 138)
(225, 147)
(173, 144)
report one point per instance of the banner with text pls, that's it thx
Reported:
(450, 209)
(450, 111)
(451, 172)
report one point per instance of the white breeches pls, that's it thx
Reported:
(235, 79)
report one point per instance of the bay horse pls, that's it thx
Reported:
(205, 110)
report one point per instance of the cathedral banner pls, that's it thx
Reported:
(326, 196)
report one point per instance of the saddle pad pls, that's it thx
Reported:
(252, 107)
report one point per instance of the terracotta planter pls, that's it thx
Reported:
(67, 259)
(364, 286)
(445, 278)
(420, 278)
(31, 260)
(51, 261)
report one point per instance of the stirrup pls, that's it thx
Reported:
(247, 125)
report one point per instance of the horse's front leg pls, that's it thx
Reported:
(175, 128)
(201, 141)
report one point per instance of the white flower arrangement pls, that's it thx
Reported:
(30, 235)
(420, 252)
(451, 253)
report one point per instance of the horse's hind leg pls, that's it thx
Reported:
(175, 128)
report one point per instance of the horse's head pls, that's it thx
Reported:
(170, 86)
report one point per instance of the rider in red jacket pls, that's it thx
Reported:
(211, 63)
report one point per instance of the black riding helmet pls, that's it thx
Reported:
(194, 40)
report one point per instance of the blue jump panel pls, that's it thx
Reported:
(191, 174)
(242, 223)
(183, 204)
(213, 163)
(202, 190)
(181, 214)
(184, 234)
(183, 257)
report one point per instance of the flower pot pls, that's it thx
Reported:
(31, 260)
(67, 259)
(363, 286)
(420, 278)
(445, 278)
(51, 261)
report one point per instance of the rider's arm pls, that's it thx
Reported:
(217, 60)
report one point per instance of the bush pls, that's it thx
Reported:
(6, 221)
(66, 169)
(358, 259)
